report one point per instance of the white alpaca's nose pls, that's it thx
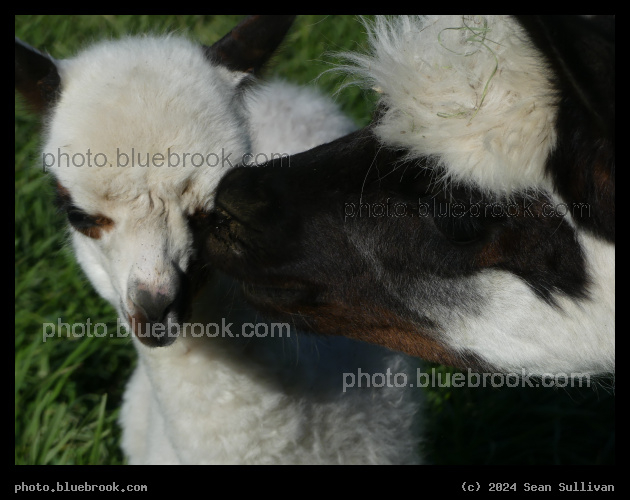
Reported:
(153, 312)
(154, 307)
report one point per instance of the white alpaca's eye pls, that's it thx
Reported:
(88, 225)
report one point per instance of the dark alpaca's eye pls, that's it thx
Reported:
(460, 226)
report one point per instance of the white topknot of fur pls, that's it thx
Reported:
(469, 92)
(152, 96)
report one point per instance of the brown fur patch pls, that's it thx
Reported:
(62, 191)
(490, 255)
(93, 225)
(102, 223)
(377, 326)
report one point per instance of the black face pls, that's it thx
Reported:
(336, 241)
(352, 238)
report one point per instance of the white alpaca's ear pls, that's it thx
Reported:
(36, 76)
(247, 47)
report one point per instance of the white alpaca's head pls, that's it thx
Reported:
(138, 133)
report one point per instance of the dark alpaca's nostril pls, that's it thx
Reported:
(218, 219)
(254, 211)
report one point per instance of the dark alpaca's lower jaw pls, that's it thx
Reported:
(285, 296)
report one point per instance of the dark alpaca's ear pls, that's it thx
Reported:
(36, 76)
(582, 52)
(251, 43)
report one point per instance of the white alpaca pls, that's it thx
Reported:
(216, 394)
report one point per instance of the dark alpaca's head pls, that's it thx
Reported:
(472, 223)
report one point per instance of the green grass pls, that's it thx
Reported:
(68, 391)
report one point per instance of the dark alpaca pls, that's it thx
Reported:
(477, 236)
